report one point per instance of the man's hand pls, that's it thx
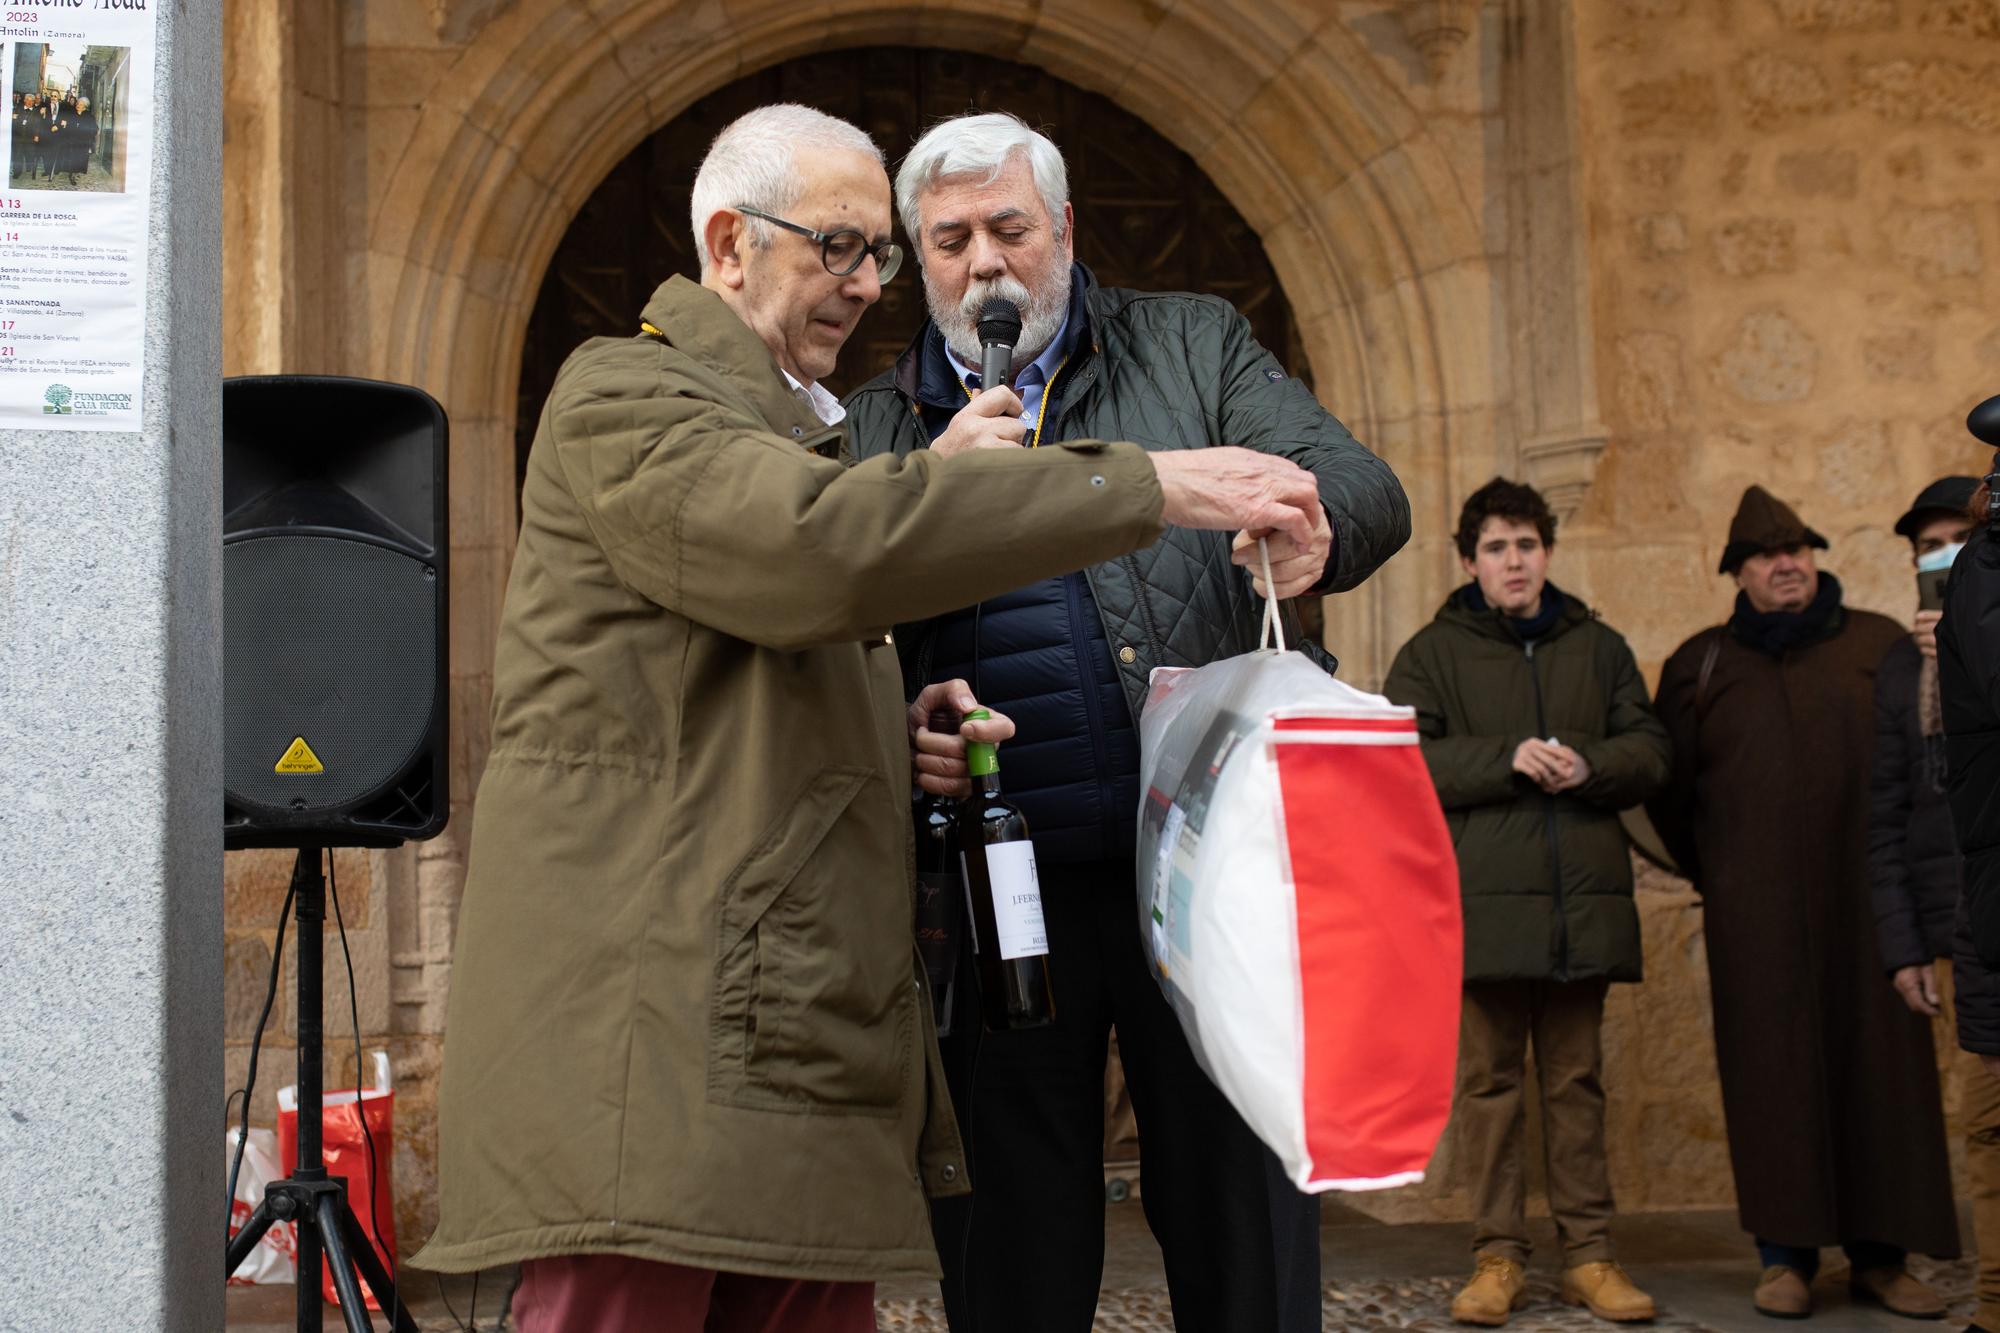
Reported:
(938, 760)
(1577, 768)
(1918, 987)
(1223, 487)
(1294, 568)
(1926, 633)
(990, 421)
(1541, 763)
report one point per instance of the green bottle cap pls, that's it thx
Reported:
(982, 757)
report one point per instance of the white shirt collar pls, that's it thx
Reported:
(823, 404)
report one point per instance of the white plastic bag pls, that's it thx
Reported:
(275, 1258)
(1298, 899)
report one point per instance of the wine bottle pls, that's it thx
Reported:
(940, 886)
(1004, 896)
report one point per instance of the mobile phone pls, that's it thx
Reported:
(1930, 588)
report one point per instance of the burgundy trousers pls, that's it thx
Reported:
(609, 1293)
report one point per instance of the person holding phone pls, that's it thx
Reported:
(1914, 868)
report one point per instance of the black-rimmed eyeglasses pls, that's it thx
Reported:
(841, 251)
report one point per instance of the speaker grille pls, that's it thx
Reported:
(333, 641)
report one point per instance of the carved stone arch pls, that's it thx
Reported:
(1373, 235)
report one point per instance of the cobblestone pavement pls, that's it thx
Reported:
(1418, 1305)
(1367, 1294)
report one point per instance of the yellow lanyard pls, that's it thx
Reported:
(1041, 408)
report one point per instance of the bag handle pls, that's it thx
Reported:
(1273, 627)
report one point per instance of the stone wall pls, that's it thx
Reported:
(1792, 206)
(1724, 240)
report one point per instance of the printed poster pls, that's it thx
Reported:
(73, 212)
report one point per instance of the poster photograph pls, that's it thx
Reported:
(74, 213)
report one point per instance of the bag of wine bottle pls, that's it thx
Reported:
(1298, 898)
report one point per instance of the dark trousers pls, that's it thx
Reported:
(1025, 1251)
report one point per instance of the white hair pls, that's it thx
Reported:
(979, 145)
(751, 163)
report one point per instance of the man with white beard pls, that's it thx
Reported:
(985, 201)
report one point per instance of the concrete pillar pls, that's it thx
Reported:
(111, 1178)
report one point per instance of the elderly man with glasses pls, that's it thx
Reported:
(690, 1081)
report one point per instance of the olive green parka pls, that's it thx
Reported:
(686, 1021)
(1546, 880)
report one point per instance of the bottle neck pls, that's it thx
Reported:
(986, 784)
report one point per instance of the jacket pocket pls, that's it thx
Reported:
(811, 999)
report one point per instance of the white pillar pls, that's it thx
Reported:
(111, 1177)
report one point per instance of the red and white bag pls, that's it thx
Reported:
(1298, 897)
(275, 1258)
(344, 1148)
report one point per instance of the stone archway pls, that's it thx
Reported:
(1371, 185)
(1146, 217)
(1357, 203)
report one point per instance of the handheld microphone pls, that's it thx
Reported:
(999, 332)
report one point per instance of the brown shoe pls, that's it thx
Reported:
(1783, 1293)
(1497, 1289)
(1898, 1293)
(1603, 1289)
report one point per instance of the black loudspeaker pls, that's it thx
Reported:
(334, 579)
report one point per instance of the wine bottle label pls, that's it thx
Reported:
(1017, 900)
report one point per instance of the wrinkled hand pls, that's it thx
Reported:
(1295, 568)
(938, 761)
(990, 421)
(1223, 488)
(1925, 633)
(1918, 987)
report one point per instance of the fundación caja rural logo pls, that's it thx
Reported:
(56, 397)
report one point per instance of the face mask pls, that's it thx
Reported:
(1939, 559)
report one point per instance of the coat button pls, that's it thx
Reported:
(949, 1173)
(798, 431)
(1097, 481)
(1128, 654)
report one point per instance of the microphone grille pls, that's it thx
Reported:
(999, 321)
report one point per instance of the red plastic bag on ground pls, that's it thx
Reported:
(346, 1153)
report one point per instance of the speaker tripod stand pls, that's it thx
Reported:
(314, 1201)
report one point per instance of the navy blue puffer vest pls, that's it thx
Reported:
(1039, 655)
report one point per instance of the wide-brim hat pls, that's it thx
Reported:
(1763, 523)
(1946, 495)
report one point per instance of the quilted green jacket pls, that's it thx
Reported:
(1170, 370)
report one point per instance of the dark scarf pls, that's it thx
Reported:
(1778, 632)
(1530, 630)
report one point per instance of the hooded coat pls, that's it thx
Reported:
(1547, 880)
(686, 1019)
(1829, 1082)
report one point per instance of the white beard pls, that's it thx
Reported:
(1042, 314)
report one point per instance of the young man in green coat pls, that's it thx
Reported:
(1538, 731)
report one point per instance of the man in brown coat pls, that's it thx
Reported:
(1828, 1082)
(690, 1081)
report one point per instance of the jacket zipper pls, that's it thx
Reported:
(1549, 822)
